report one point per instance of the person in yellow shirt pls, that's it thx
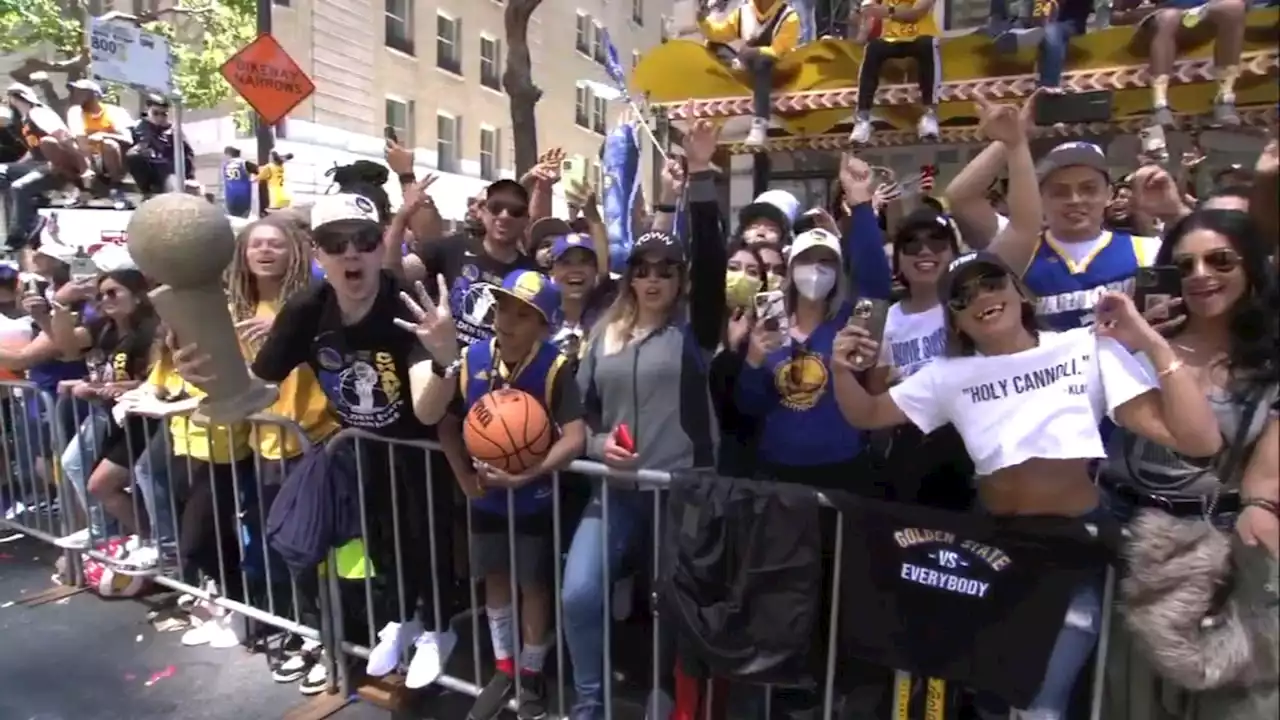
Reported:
(273, 175)
(758, 32)
(907, 29)
(103, 132)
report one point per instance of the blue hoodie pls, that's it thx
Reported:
(790, 393)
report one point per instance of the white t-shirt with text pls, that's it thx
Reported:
(912, 340)
(1046, 402)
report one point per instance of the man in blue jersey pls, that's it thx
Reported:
(237, 182)
(1075, 259)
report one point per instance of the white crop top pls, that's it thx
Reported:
(1046, 402)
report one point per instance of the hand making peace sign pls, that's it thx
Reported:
(434, 328)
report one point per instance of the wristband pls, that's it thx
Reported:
(670, 209)
(443, 370)
(1174, 367)
(1269, 505)
(407, 178)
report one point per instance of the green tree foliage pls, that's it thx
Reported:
(50, 35)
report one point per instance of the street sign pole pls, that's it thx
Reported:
(262, 130)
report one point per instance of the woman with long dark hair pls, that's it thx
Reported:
(1028, 405)
(1227, 341)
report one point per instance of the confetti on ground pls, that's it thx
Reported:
(5, 556)
(138, 639)
(7, 605)
(158, 676)
(63, 601)
(130, 677)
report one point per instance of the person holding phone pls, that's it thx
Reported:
(1033, 433)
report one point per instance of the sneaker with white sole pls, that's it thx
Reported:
(432, 653)
(393, 637)
(298, 663)
(758, 134)
(230, 631)
(201, 632)
(861, 134)
(316, 680)
(927, 128)
(78, 540)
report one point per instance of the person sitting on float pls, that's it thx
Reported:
(1164, 29)
(758, 33)
(1053, 24)
(907, 29)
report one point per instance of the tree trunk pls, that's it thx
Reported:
(517, 80)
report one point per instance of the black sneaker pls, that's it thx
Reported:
(493, 698)
(532, 703)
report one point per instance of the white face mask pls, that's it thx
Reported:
(814, 281)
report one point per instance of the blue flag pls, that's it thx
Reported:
(621, 160)
(613, 66)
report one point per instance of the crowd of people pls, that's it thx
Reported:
(971, 389)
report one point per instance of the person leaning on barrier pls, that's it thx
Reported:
(653, 346)
(522, 356)
(1028, 404)
(343, 329)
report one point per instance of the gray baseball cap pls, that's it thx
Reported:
(1075, 153)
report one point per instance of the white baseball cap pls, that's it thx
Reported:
(110, 258)
(342, 206)
(809, 239)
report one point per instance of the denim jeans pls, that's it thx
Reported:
(24, 181)
(151, 477)
(585, 611)
(808, 23)
(1053, 51)
(77, 462)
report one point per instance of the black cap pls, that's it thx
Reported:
(506, 185)
(154, 100)
(660, 242)
(927, 219)
(546, 227)
(964, 264)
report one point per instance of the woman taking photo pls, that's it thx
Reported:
(745, 276)
(1028, 404)
(645, 368)
(1227, 341)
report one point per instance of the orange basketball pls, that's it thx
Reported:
(508, 429)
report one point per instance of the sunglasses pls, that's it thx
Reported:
(335, 243)
(664, 270)
(513, 209)
(964, 295)
(1222, 260)
(916, 245)
(109, 294)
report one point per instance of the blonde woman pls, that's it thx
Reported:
(645, 367)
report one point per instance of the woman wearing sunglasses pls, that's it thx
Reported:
(645, 390)
(1027, 404)
(1227, 340)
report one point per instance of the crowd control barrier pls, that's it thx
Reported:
(417, 533)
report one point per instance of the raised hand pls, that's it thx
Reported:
(1001, 123)
(700, 145)
(855, 179)
(434, 327)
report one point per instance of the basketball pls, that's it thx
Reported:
(508, 429)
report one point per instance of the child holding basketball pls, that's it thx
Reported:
(515, 436)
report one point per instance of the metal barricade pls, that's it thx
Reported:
(33, 496)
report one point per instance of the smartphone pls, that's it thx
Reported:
(1156, 285)
(1154, 143)
(869, 314)
(771, 310)
(389, 133)
(622, 436)
(82, 267)
(573, 171)
(1071, 108)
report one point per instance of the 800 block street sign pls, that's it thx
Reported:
(268, 79)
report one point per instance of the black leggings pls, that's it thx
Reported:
(928, 64)
(208, 527)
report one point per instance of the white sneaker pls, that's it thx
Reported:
(433, 651)
(928, 125)
(297, 665)
(78, 540)
(385, 656)
(861, 134)
(228, 631)
(201, 632)
(759, 133)
(141, 559)
(316, 679)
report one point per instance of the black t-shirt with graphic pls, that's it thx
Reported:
(973, 599)
(362, 368)
(466, 266)
(116, 356)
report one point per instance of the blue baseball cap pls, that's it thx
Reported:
(532, 288)
(565, 243)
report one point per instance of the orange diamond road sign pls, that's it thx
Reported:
(268, 79)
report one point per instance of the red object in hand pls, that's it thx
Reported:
(622, 436)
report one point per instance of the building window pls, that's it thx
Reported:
(597, 43)
(595, 174)
(449, 44)
(599, 110)
(664, 29)
(281, 3)
(637, 12)
(400, 120)
(489, 149)
(491, 63)
(635, 59)
(447, 141)
(582, 108)
(583, 41)
(399, 25)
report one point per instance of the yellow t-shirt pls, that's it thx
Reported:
(190, 439)
(301, 400)
(273, 175)
(897, 31)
